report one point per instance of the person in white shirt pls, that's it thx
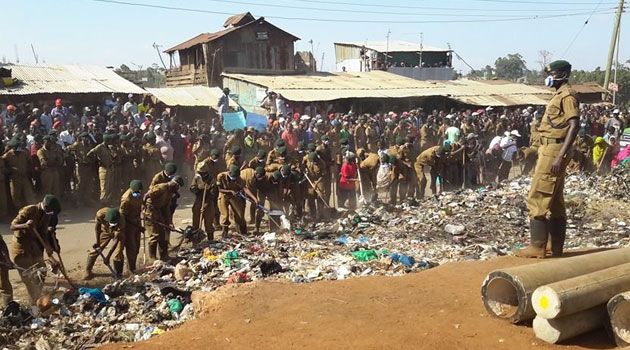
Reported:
(66, 137)
(130, 106)
(508, 145)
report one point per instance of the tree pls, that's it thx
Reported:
(511, 67)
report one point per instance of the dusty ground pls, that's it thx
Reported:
(436, 309)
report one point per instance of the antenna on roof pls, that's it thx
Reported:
(17, 57)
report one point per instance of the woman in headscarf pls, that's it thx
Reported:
(599, 148)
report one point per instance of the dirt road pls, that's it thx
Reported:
(436, 309)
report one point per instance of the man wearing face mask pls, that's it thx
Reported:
(130, 209)
(18, 164)
(253, 179)
(557, 130)
(257, 161)
(158, 213)
(229, 184)
(110, 226)
(204, 184)
(26, 249)
(165, 175)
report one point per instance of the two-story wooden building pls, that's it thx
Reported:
(246, 45)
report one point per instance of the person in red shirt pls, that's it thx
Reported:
(347, 182)
(290, 137)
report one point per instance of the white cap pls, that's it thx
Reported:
(449, 116)
(515, 133)
(281, 120)
(489, 108)
(305, 117)
(616, 111)
(506, 133)
(474, 114)
(503, 116)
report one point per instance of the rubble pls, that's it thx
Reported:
(377, 239)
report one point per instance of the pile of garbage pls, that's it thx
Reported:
(377, 239)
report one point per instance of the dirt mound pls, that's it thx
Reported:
(436, 309)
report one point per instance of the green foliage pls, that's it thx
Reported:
(597, 76)
(511, 67)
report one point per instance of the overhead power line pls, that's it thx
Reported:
(477, 20)
(407, 7)
(541, 2)
(581, 29)
(379, 12)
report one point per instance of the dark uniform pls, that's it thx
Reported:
(545, 201)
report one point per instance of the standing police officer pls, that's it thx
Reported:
(557, 130)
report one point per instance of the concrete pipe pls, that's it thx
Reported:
(507, 293)
(619, 312)
(559, 329)
(579, 293)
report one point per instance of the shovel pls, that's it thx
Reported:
(285, 223)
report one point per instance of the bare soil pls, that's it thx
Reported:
(436, 309)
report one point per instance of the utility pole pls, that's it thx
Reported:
(616, 64)
(613, 42)
(421, 48)
(387, 48)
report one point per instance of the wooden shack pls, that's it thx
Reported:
(246, 45)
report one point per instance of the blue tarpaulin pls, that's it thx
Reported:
(233, 121)
(259, 122)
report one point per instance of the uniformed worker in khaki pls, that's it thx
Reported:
(86, 173)
(165, 175)
(204, 187)
(18, 165)
(254, 179)
(104, 156)
(315, 170)
(6, 291)
(558, 129)
(131, 210)
(26, 249)
(110, 227)
(230, 184)
(158, 215)
(50, 161)
(429, 158)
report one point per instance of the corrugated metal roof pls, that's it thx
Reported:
(378, 84)
(190, 96)
(207, 37)
(393, 46)
(240, 19)
(67, 79)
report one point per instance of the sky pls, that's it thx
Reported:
(480, 31)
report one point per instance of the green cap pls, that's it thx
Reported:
(115, 136)
(301, 145)
(170, 168)
(312, 156)
(282, 150)
(179, 180)
(260, 171)
(124, 137)
(279, 143)
(392, 158)
(135, 185)
(344, 141)
(215, 152)
(558, 66)
(276, 175)
(235, 150)
(52, 133)
(286, 169)
(112, 216)
(325, 138)
(149, 136)
(234, 171)
(400, 141)
(311, 147)
(204, 137)
(48, 138)
(261, 154)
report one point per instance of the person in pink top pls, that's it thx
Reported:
(347, 181)
(290, 137)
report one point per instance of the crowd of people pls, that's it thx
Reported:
(132, 161)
